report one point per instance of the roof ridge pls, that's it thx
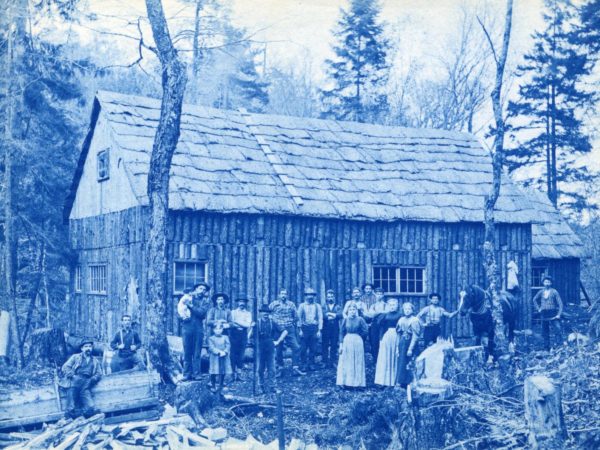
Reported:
(272, 157)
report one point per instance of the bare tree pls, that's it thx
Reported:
(165, 141)
(491, 266)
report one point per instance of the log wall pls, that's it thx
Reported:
(565, 275)
(256, 255)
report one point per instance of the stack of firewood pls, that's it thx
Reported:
(93, 434)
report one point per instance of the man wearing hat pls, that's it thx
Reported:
(431, 316)
(549, 305)
(332, 315)
(285, 316)
(219, 313)
(191, 309)
(269, 338)
(310, 321)
(241, 324)
(81, 372)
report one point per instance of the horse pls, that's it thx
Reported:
(473, 300)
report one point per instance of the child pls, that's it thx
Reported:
(269, 337)
(220, 363)
(432, 316)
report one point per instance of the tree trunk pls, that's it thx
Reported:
(543, 410)
(48, 345)
(165, 142)
(10, 243)
(554, 197)
(491, 267)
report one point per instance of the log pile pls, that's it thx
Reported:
(176, 432)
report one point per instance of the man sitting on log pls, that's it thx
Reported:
(81, 372)
(126, 342)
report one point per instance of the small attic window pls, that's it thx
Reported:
(103, 165)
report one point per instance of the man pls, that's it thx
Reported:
(284, 314)
(549, 305)
(241, 324)
(368, 296)
(81, 372)
(125, 343)
(310, 321)
(373, 315)
(192, 309)
(269, 338)
(356, 300)
(431, 316)
(332, 314)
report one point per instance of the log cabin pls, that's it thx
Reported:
(264, 202)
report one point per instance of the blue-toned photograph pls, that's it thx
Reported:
(300, 224)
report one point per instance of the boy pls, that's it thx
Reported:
(432, 315)
(269, 337)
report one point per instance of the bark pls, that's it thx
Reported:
(543, 410)
(48, 345)
(165, 142)
(10, 243)
(490, 263)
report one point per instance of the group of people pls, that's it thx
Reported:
(367, 320)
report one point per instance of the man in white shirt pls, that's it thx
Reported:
(241, 324)
(310, 321)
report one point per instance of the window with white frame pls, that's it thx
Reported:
(187, 274)
(97, 274)
(400, 280)
(103, 165)
(78, 279)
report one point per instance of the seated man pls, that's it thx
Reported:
(126, 342)
(81, 372)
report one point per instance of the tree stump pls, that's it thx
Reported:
(543, 410)
(194, 398)
(48, 346)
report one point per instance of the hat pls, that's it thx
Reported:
(202, 283)
(435, 294)
(86, 341)
(220, 294)
(547, 277)
(310, 291)
(242, 300)
(264, 309)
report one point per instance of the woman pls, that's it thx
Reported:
(385, 371)
(351, 364)
(409, 330)
(219, 313)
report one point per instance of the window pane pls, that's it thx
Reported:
(188, 274)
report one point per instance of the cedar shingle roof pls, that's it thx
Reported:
(227, 161)
(552, 237)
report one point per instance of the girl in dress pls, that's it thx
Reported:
(385, 370)
(219, 361)
(351, 365)
(409, 330)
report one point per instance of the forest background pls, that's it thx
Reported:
(418, 64)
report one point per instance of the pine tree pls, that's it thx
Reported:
(588, 33)
(547, 115)
(359, 71)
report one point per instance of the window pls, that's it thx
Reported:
(78, 279)
(400, 280)
(102, 165)
(98, 279)
(537, 275)
(187, 274)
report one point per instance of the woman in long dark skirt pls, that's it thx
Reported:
(385, 370)
(409, 330)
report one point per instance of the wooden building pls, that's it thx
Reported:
(264, 202)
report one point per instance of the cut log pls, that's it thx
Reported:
(66, 443)
(48, 346)
(85, 432)
(543, 410)
(123, 391)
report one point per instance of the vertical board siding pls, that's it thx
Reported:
(257, 255)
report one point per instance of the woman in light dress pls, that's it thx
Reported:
(351, 364)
